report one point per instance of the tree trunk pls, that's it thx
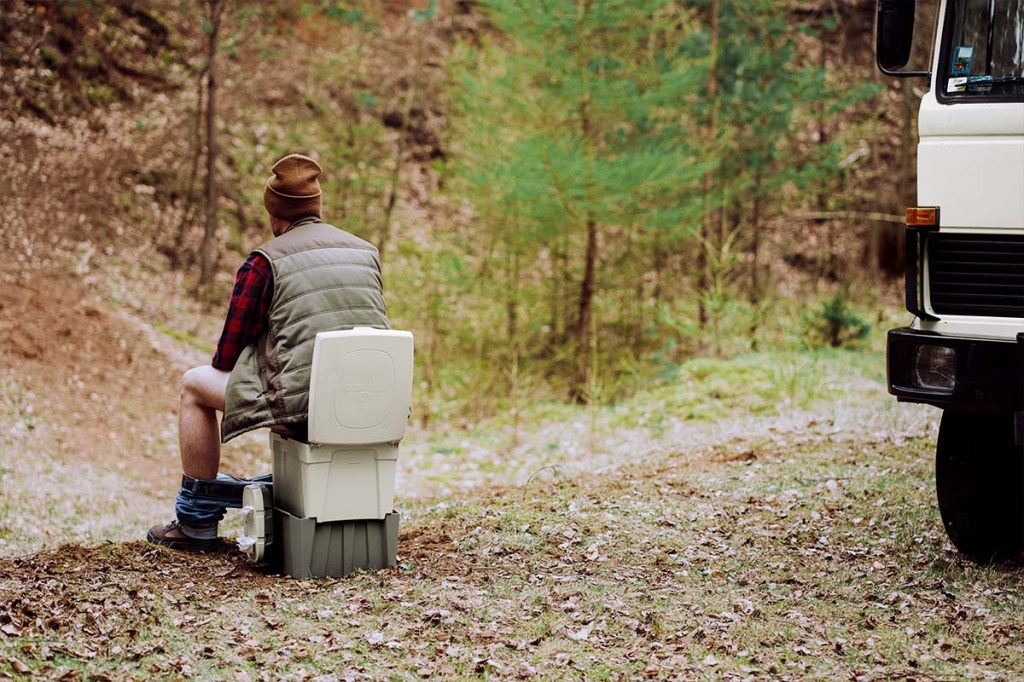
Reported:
(512, 302)
(175, 249)
(707, 228)
(389, 209)
(410, 97)
(755, 253)
(659, 269)
(829, 269)
(206, 271)
(577, 393)
(433, 324)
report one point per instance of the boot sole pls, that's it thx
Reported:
(185, 545)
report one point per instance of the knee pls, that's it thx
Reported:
(204, 386)
(190, 384)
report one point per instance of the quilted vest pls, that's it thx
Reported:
(324, 279)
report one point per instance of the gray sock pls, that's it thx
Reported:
(206, 533)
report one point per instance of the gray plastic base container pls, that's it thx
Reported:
(304, 548)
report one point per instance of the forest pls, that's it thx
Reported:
(648, 251)
(569, 201)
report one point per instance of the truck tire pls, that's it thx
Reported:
(979, 479)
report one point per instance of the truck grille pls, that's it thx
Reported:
(976, 274)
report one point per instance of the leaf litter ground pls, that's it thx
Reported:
(805, 550)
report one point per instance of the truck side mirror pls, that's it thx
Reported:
(895, 34)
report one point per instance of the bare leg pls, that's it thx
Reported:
(202, 396)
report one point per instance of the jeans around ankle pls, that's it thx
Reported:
(202, 503)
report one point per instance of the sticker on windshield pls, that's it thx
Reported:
(956, 84)
(963, 57)
(979, 84)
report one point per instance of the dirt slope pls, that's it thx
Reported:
(86, 415)
(94, 380)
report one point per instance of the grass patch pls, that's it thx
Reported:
(704, 389)
(186, 338)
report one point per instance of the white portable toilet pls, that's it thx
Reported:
(333, 493)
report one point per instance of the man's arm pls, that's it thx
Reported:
(247, 312)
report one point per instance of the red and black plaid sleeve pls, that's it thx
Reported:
(247, 312)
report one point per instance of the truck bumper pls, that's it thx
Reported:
(956, 372)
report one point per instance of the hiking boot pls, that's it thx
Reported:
(173, 537)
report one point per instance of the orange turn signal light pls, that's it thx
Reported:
(923, 216)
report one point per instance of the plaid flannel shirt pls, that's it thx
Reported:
(247, 312)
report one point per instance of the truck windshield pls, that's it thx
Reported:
(983, 50)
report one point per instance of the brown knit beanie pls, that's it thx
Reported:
(293, 191)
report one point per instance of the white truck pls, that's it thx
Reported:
(964, 351)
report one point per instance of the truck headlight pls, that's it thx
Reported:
(934, 368)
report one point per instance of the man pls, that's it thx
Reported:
(311, 277)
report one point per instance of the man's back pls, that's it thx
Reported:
(324, 279)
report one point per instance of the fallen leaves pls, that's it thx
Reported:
(715, 570)
(18, 667)
(583, 634)
(11, 630)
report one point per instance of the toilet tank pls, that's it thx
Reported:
(360, 386)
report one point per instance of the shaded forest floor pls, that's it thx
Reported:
(768, 516)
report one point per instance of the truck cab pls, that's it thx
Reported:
(964, 350)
